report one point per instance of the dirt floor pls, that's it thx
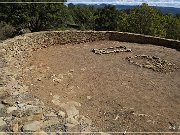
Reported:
(115, 94)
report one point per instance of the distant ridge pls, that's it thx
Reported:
(164, 10)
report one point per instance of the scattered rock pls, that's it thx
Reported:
(15, 127)
(33, 126)
(56, 79)
(17, 113)
(1, 106)
(55, 97)
(76, 104)
(117, 117)
(21, 105)
(2, 51)
(39, 79)
(2, 110)
(8, 101)
(62, 114)
(2, 122)
(89, 97)
(35, 117)
(3, 94)
(72, 128)
(11, 109)
(70, 108)
(51, 114)
(56, 101)
(3, 133)
(72, 121)
(71, 70)
(83, 69)
(71, 87)
(85, 124)
(50, 122)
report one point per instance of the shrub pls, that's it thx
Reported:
(6, 31)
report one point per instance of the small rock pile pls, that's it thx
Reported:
(152, 62)
(111, 50)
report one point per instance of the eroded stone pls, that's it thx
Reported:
(70, 108)
(11, 109)
(33, 126)
(2, 122)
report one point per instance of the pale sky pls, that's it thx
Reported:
(162, 3)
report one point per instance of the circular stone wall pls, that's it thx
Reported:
(20, 110)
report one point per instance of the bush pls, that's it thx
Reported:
(6, 31)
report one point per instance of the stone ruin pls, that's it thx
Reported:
(152, 62)
(20, 111)
(111, 50)
(145, 61)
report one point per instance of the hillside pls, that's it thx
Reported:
(164, 10)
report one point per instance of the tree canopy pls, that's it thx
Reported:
(35, 16)
(142, 19)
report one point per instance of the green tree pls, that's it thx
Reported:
(82, 16)
(122, 21)
(173, 27)
(45, 16)
(146, 20)
(6, 31)
(35, 16)
(106, 18)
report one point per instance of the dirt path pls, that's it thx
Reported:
(114, 94)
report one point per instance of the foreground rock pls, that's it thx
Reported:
(33, 126)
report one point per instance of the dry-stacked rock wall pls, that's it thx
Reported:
(48, 38)
(144, 39)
